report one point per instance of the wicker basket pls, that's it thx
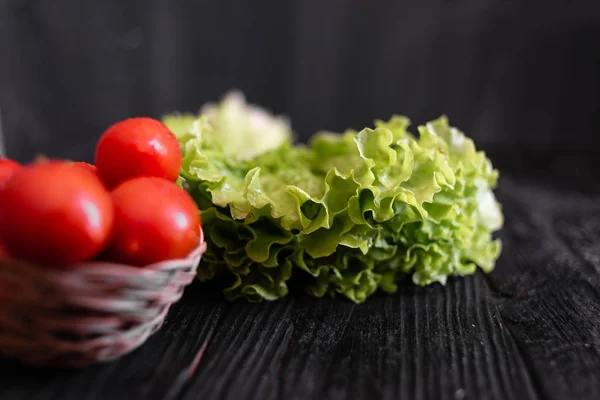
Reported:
(96, 312)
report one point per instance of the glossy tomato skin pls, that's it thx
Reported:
(55, 214)
(7, 169)
(155, 220)
(137, 147)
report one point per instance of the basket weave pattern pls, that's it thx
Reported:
(94, 312)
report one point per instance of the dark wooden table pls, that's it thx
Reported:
(530, 330)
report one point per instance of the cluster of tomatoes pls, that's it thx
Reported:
(126, 208)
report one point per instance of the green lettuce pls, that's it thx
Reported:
(348, 214)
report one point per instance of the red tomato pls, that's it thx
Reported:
(137, 147)
(55, 213)
(7, 169)
(155, 220)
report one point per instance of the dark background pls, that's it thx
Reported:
(519, 77)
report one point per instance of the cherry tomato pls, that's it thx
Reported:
(155, 220)
(137, 147)
(55, 214)
(7, 169)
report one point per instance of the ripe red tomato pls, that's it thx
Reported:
(155, 220)
(55, 213)
(7, 169)
(137, 147)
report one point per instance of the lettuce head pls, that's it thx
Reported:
(348, 214)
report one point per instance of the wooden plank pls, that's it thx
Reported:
(437, 342)
(549, 287)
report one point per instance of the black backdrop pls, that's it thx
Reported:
(516, 76)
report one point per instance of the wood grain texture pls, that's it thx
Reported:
(548, 284)
(437, 342)
(530, 330)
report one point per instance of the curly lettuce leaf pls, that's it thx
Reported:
(348, 214)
